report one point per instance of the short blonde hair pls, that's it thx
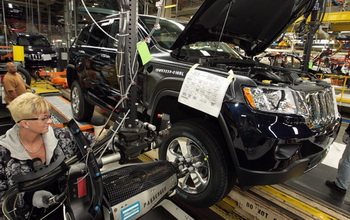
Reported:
(28, 105)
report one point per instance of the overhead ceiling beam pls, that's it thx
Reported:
(56, 7)
(337, 21)
(42, 3)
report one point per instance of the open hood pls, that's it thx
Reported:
(250, 24)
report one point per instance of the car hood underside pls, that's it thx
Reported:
(250, 24)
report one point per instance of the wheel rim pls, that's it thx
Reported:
(193, 161)
(75, 100)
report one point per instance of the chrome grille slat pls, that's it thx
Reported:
(321, 107)
(330, 106)
(315, 108)
(36, 56)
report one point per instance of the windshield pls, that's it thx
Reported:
(170, 30)
(212, 49)
(33, 41)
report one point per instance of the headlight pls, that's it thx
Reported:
(271, 100)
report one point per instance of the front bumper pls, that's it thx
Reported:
(41, 63)
(271, 149)
(249, 178)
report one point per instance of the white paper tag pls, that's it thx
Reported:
(46, 57)
(204, 91)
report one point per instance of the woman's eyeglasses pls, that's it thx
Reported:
(41, 118)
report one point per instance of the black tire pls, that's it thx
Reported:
(82, 110)
(206, 158)
(25, 74)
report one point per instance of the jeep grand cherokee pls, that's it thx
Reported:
(38, 52)
(273, 124)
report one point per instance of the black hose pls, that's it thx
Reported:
(11, 193)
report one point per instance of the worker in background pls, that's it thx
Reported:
(13, 83)
(342, 180)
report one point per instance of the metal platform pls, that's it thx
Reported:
(305, 197)
(167, 210)
(313, 186)
(62, 112)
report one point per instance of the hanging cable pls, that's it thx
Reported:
(156, 25)
(93, 20)
(114, 134)
(132, 75)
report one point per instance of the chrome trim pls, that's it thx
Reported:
(36, 57)
(321, 108)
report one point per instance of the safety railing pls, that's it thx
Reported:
(6, 52)
(341, 84)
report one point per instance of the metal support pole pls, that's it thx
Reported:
(39, 17)
(167, 11)
(145, 7)
(32, 14)
(313, 27)
(131, 122)
(67, 22)
(4, 23)
(49, 29)
(127, 44)
(177, 8)
(75, 18)
(27, 12)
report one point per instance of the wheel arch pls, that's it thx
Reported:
(71, 75)
(167, 103)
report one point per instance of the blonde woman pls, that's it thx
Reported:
(31, 138)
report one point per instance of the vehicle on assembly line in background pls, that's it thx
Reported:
(38, 52)
(235, 121)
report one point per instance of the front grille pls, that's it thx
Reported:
(35, 56)
(321, 107)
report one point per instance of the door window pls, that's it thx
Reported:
(84, 36)
(111, 43)
(97, 36)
